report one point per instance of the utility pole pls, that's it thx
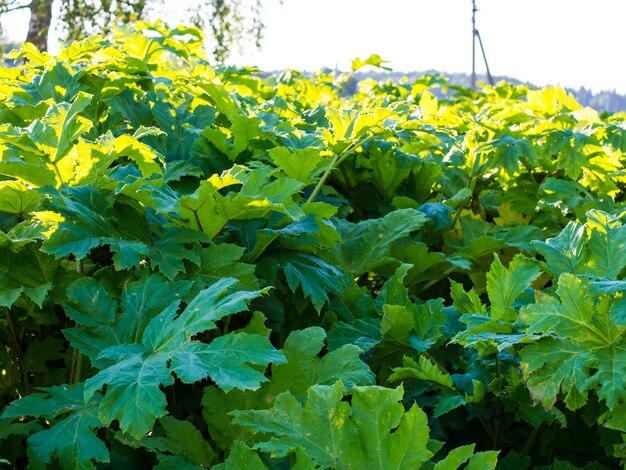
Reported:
(476, 35)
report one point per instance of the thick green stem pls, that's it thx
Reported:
(497, 365)
(336, 161)
(483, 423)
(77, 359)
(322, 180)
(530, 442)
(77, 364)
(457, 214)
(496, 434)
(18, 351)
(226, 325)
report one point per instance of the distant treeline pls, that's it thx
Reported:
(608, 101)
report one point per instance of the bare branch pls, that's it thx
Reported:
(13, 5)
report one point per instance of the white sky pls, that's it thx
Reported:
(566, 42)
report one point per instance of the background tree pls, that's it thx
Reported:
(84, 18)
(227, 23)
(40, 18)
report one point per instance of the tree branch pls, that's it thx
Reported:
(8, 7)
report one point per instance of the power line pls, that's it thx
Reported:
(476, 35)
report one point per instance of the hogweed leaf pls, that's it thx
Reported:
(334, 434)
(367, 245)
(241, 456)
(137, 371)
(582, 350)
(315, 277)
(71, 436)
(564, 253)
(504, 285)
(303, 368)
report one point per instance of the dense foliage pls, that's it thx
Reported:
(208, 266)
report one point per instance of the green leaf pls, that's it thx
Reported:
(364, 334)
(17, 198)
(455, 458)
(213, 304)
(181, 439)
(583, 349)
(483, 460)
(244, 128)
(373, 60)
(176, 245)
(228, 360)
(508, 152)
(367, 245)
(574, 316)
(314, 276)
(393, 290)
(241, 456)
(449, 397)
(71, 436)
(23, 159)
(61, 126)
(390, 166)
(141, 154)
(209, 211)
(569, 147)
(438, 213)
(215, 260)
(137, 371)
(29, 272)
(334, 434)
(424, 369)
(86, 226)
(397, 323)
(564, 253)
(466, 302)
(504, 285)
(304, 368)
(258, 241)
(133, 396)
(299, 164)
(105, 322)
(607, 244)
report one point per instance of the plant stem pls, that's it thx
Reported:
(336, 161)
(77, 365)
(457, 214)
(346, 178)
(497, 365)
(226, 324)
(532, 437)
(77, 359)
(322, 180)
(18, 351)
(496, 434)
(432, 359)
(484, 423)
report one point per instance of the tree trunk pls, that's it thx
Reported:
(39, 25)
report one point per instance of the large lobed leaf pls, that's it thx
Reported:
(137, 371)
(374, 432)
(304, 368)
(582, 348)
(367, 245)
(73, 424)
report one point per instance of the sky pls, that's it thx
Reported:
(572, 43)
